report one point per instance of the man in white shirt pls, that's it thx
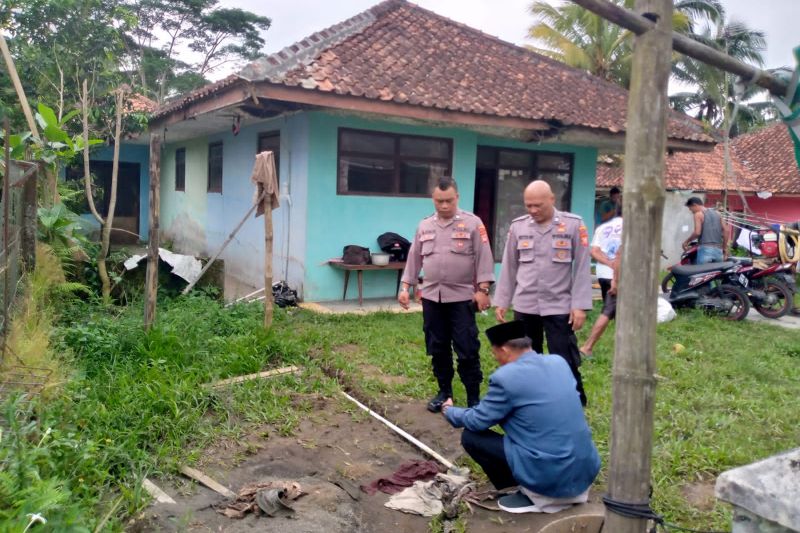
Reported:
(606, 245)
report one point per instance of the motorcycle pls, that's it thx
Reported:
(770, 288)
(713, 287)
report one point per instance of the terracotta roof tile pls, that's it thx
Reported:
(400, 52)
(762, 161)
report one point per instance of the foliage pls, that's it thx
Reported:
(582, 39)
(137, 406)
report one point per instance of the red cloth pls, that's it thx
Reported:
(404, 476)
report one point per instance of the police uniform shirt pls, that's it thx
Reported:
(546, 270)
(454, 255)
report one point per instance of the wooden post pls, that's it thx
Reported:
(29, 220)
(634, 357)
(268, 300)
(12, 73)
(151, 281)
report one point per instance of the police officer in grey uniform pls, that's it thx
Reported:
(452, 248)
(546, 276)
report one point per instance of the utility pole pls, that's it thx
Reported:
(635, 353)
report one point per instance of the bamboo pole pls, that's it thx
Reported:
(634, 357)
(151, 278)
(6, 234)
(267, 261)
(225, 244)
(638, 24)
(23, 100)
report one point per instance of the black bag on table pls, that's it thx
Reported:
(395, 245)
(352, 254)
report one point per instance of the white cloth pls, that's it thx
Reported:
(608, 237)
(545, 504)
(665, 312)
(184, 266)
(425, 497)
(745, 242)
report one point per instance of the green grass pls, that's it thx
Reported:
(136, 405)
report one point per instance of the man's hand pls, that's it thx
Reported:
(402, 298)
(500, 314)
(447, 405)
(482, 301)
(577, 317)
(613, 289)
(685, 246)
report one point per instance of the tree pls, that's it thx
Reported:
(581, 39)
(714, 94)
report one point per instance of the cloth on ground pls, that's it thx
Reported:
(545, 504)
(405, 476)
(428, 498)
(265, 178)
(245, 501)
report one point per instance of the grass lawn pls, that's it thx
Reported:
(135, 404)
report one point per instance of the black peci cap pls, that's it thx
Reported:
(502, 333)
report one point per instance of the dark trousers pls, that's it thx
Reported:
(486, 448)
(561, 340)
(451, 326)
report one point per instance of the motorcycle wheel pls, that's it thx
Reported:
(784, 303)
(667, 283)
(741, 303)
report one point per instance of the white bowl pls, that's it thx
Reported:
(380, 259)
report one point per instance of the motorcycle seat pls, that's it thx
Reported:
(691, 270)
(746, 261)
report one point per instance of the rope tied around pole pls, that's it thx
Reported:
(643, 511)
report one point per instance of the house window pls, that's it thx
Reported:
(271, 142)
(385, 164)
(215, 167)
(180, 169)
(501, 177)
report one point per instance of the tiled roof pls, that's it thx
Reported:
(769, 155)
(399, 52)
(137, 103)
(762, 161)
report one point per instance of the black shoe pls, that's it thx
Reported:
(435, 405)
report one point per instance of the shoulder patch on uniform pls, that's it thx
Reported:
(483, 234)
(584, 233)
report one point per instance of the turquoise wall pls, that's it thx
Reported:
(130, 153)
(198, 222)
(337, 220)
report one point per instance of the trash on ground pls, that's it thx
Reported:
(272, 498)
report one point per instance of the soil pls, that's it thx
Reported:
(700, 495)
(335, 449)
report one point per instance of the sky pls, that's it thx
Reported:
(293, 20)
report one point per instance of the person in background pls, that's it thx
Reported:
(546, 275)
(709, 230)
(452, 248)
(606, 246)
(610, 206)
(547, 448)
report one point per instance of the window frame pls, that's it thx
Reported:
(264, 135)
(396, 159)
(182, 167)
(209, 188)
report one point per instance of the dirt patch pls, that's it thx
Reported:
(334, 450)
(700, 495)
(378, 374)
(347, 349)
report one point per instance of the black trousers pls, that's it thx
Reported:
(561, 340)
(486, 448)
(451, 326)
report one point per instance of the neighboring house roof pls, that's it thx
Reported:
(137, 103)
(762, 161)
(397, 52)
(769, 154)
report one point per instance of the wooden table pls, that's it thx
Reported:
(393, 265)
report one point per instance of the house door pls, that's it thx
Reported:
(501, 176)
(125, 228)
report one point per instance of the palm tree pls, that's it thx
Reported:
(581, 39)
(715, 93)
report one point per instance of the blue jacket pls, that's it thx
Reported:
(547, 442)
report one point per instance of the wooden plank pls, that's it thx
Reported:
(257, 375)
(686, 45)
(635, 351)
(207, 481)
(151, 277)
(155, 491)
